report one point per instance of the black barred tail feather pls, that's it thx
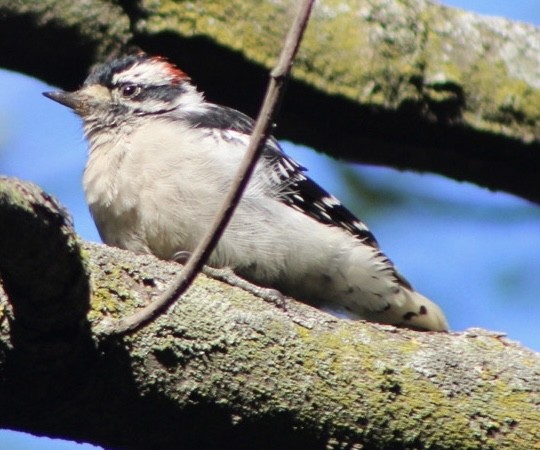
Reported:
(411, 309)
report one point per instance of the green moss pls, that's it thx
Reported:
(234, 24)
(498, 102)
(14, 197)
(110, 295)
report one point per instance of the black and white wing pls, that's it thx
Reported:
(301, 193)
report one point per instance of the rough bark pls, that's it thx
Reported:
(408, 84)
(226, 369)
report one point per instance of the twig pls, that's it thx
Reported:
(260, 134)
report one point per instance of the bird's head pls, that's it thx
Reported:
(125, 88)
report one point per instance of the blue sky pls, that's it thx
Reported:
(475, 252)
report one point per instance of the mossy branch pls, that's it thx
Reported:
(407, 84)
(226, 369)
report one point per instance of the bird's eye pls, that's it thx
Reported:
(129, 90)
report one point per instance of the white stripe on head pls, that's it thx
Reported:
(152, 71)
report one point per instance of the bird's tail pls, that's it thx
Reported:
(415, 311)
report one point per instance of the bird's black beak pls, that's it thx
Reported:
(72, 100)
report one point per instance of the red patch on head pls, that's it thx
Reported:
(176, 74)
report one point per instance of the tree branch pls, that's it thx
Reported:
(409, 84)
(46, 279)
(225, 369)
